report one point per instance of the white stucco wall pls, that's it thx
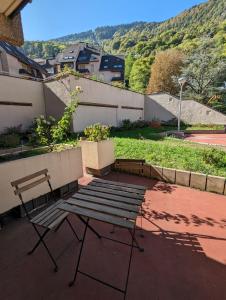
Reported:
(165, 107)
(96, 93)
(19, 90)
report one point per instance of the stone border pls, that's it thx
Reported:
(199, 181)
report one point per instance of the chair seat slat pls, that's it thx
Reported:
(51, 218)
(46, 211)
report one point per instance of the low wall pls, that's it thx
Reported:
(165, 107)
(64, 167)
(21, 101)
(199, 181)
(99, 102)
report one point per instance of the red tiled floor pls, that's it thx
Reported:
(212, 139)
(184, 257)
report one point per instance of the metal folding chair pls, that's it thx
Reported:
(50, 218)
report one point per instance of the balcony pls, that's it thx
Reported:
(184, 257)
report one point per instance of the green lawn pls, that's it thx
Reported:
(146, 143)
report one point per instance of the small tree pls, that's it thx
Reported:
(140, 74)
(166, 66)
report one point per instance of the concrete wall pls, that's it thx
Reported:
(100, 102)
(64, 167)
(18, 93)
(165, 107)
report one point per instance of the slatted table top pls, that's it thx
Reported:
(107, 201)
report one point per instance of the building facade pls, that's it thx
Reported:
(14, 62)
(92, 62)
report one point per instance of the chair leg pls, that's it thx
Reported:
(44, 244)
(38, 243)
(80, 253)
(69, 223)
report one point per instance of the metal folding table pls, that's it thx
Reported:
(111, 202)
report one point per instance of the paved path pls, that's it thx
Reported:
(212, 139)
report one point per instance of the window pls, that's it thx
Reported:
(106, 60)
(117, 66)
(69, 57)
(105, 67)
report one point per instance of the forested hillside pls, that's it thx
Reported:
(140, 41)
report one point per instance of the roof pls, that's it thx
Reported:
(87, 55)
(14, 51)
(112, 63)
(12, 7)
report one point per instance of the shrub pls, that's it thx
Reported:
(49, 131)
(140, 124)
(9, 140)
(126, 124)
(13, 130)
(97, 132)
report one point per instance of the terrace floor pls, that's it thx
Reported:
(184, 257)
(211, 139)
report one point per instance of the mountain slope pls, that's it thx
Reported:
(142, 38)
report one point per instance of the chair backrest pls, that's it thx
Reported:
(21, 184)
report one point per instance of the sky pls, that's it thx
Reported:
(46, 19)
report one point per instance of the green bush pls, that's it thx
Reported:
(13, 130)
(97, 132)
(126, 124)
(49, 131)
(9, 140)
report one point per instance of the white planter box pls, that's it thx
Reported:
(97, 155)
(64, 167)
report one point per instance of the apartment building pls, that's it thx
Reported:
(14, 62)
(91, 61)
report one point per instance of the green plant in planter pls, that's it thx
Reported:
(97, 132)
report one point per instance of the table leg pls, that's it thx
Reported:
(90, 227)
(130, 260)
